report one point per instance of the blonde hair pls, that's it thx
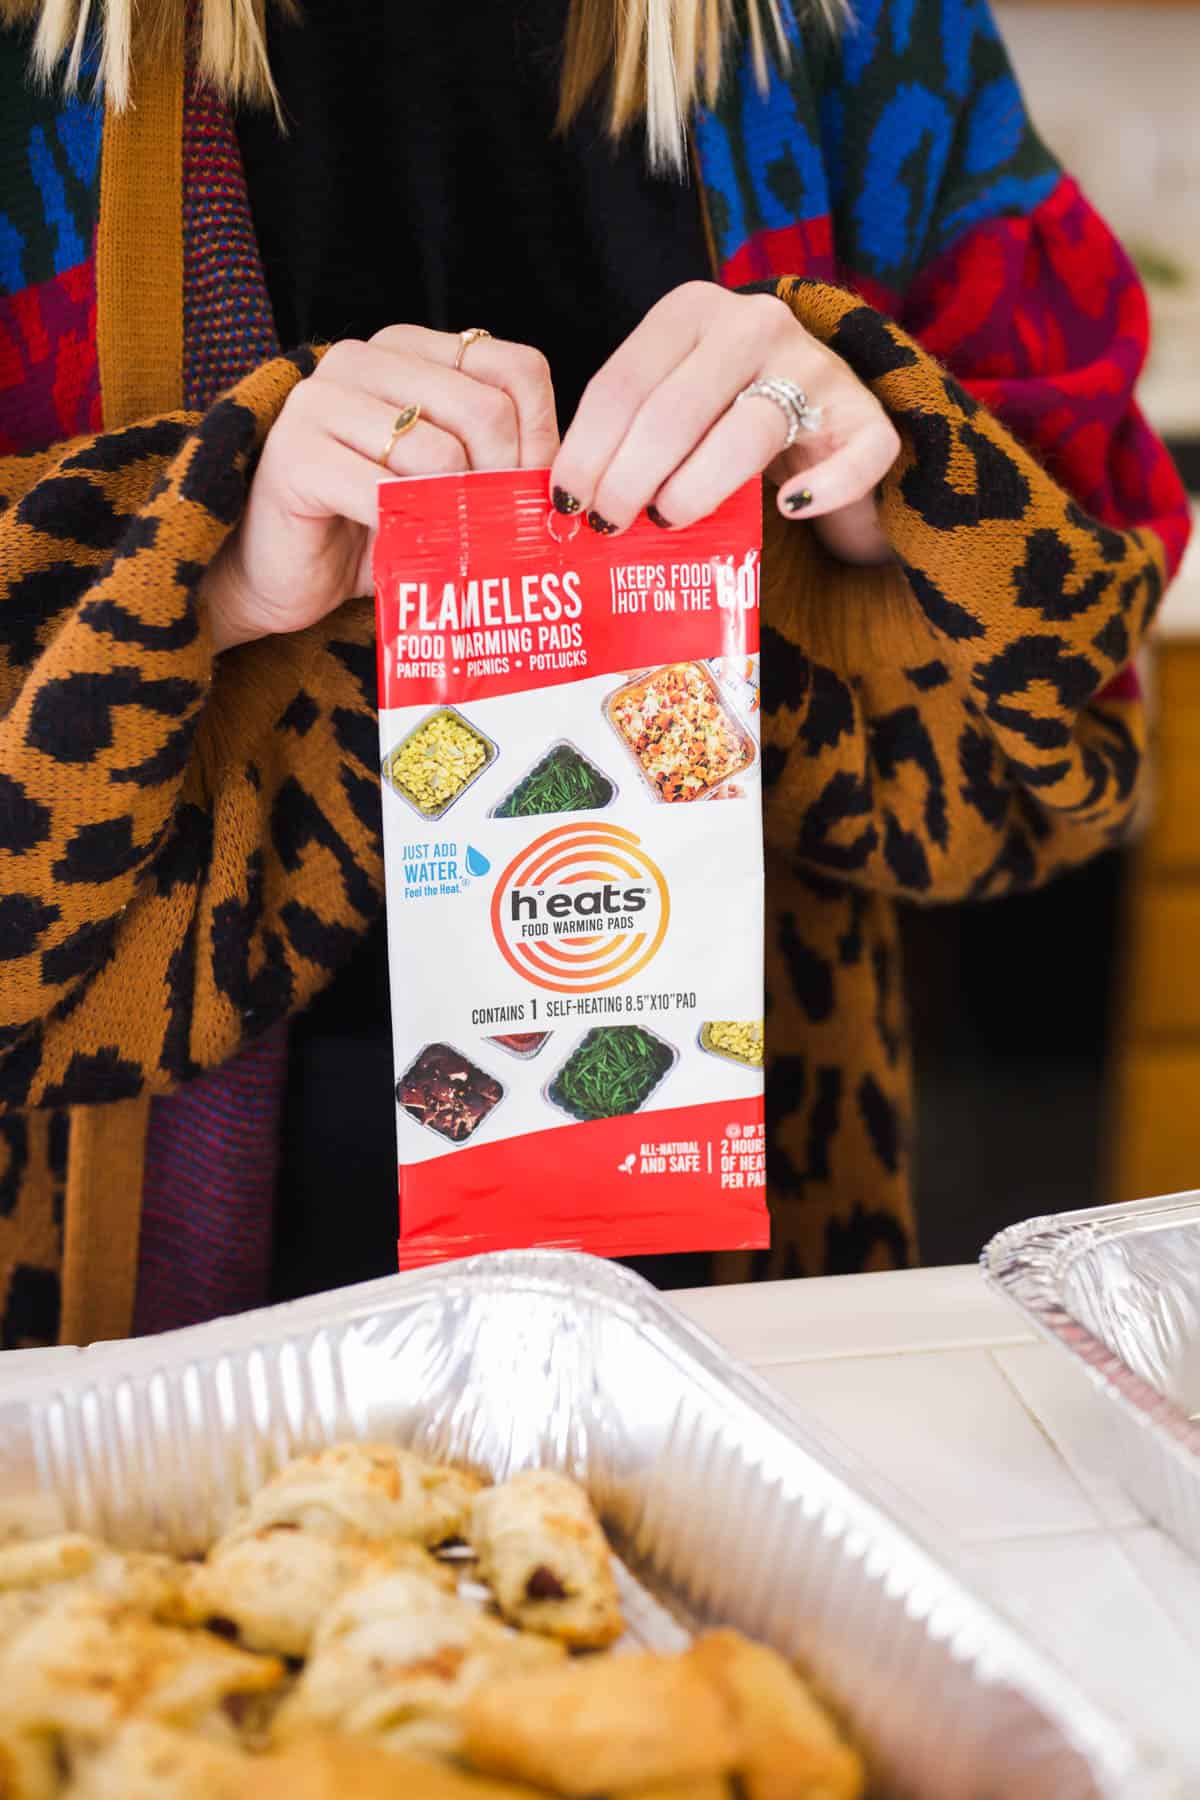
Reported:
(659, 56)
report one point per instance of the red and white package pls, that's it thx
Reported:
(573, 836)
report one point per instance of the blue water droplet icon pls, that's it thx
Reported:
(477, 862)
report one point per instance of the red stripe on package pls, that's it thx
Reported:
(573, 836)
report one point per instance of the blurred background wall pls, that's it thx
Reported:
(1058, 1035)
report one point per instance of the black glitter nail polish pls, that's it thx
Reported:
(601, 525)
(564, 502)
(656, 518)
(798, 501)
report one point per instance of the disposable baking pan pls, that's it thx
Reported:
(522, 1055)
(704, 1039)
(1117, 1289)
(723, 1503)
(491, 752)
(745, 736)
(581, 1040)
(451, 1143)
(544, 756)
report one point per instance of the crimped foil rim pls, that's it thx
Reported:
(1029, 1263)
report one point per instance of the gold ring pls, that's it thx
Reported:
(466, 339)
(403, 423)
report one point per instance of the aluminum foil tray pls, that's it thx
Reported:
(1118, 1288)
(721, 1503)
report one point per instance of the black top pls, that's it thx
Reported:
(421, 181)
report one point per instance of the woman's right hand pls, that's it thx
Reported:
(304, 542)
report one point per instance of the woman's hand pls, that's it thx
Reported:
(304, 542)
(657, 428)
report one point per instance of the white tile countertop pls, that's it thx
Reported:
(1180, 615)
(940, 1387)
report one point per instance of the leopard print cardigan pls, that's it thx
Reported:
(190, 847)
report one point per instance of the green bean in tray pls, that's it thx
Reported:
(564, 781)
(614, 1070)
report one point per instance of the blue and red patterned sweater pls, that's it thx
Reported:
(898, 161)
(901, 162)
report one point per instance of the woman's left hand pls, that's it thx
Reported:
(658, 428)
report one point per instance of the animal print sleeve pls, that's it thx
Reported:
(186, 849)
(966, 722)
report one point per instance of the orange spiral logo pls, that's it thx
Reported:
(581, 909)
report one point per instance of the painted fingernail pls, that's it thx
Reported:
(601, 525)
(656, 518)
(799, 500)
(564, 502)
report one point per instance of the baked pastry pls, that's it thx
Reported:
(86, 1664)
(271, 1588)
(601, 1725)
(395, 1659)
(708, 1787)
(30, 1768)
(343, 1769)
(147, 1761)
(366, 1491)
(35, 1573)
(542, 1552)
(141, 1579)
(42, 1561)
(788, 1746)
(118, 1680)
(18, 1607)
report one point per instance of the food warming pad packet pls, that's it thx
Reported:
(573, 837)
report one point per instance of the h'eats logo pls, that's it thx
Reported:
(581, 909)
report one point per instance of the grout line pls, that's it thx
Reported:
(1047, 1535)
(1182, 1627)
(1095, 1477)
(1052, 1443)
(947, 1347)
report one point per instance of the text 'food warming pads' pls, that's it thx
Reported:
(573, 834)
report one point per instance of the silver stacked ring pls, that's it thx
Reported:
(792, 402)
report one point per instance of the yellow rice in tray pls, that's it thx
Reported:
(434, 764)
(739, 1039)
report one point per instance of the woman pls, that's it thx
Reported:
(958, 576)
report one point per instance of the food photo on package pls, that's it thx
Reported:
(569, 744)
